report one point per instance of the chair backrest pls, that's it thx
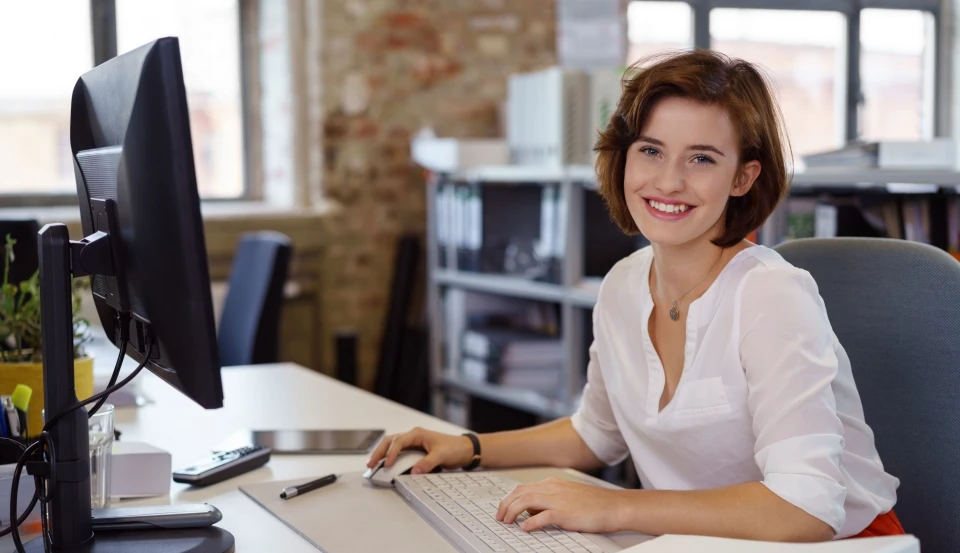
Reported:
(25, 261)
(895, 307)
(250, 320)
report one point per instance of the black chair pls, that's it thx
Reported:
(25, 261)
(250, 321)
(895, 307)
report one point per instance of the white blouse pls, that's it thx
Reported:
(766, 393)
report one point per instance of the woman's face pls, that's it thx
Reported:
(682, 170)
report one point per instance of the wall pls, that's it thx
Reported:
(390, 67)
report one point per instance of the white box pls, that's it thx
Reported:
(452, 154)
(548, 118)
(139, 470)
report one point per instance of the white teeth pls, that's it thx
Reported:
(669, 208)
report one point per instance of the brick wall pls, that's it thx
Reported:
(391, 67)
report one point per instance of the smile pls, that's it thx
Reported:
(668, 211)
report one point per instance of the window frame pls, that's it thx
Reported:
(103, 23)
(851, 9)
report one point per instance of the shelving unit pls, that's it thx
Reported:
(576, 293)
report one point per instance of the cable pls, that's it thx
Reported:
(45, 441)
(123, 323)
(96, 397)
(113, 378)
(33, 502)
(14, 488)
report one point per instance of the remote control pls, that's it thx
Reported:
(223, 465)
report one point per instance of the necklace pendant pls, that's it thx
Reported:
(674, 312)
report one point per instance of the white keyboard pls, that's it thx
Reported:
(463, 506)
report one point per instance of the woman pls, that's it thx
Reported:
(714, 364)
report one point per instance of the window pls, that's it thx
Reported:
(828, 94)
(45, 45)
(38, 79)
(897, 74)
(210, 51)
(658, 26)
(803, 52)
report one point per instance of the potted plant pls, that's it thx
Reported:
(21, 351)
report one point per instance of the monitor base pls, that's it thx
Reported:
(188, 540)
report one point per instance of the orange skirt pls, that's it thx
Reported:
(886, 524)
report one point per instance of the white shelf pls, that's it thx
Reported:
(584, 295)
(869, 178)
(499, 284)
(524, 400)
(526, 174)
(578, 296)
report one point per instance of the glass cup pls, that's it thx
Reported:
(101, 446)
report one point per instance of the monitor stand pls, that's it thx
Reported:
(70, 520)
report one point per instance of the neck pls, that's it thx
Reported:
(678, 268)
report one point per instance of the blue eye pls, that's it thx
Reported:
(702, 159)
(650, 151)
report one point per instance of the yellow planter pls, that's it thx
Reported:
(31, 374)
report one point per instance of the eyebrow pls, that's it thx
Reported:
(700, 147)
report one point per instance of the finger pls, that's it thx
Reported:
(527, 501)
(427, 464)
(507, 500)
(380, 451)
(413, 438)
(540, 520)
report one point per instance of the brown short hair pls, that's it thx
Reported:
(709, 78)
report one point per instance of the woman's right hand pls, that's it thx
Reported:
(442, 450)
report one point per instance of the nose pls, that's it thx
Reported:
(671, 179)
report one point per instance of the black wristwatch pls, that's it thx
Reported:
(475, 462)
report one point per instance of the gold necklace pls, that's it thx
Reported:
(674, 312)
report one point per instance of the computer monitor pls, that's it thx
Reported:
(144, 249)
(130, 137)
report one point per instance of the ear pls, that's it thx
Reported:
(745, 178)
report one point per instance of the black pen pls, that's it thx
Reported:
(294, 491)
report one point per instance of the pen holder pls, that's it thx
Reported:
(31, 374)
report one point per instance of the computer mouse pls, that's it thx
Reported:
(382, 476)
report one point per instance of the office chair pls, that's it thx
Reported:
(25, 260)
(250, 321)
(895, 307)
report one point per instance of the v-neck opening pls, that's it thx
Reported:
(656, 373)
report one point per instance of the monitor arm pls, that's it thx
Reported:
(60, 261)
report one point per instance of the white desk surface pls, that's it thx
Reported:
(265, 396)
(269, 396)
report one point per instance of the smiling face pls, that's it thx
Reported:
(682, 170)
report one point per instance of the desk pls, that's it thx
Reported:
(269, 396)
(280, 396)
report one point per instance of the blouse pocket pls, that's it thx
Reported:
(701, 397)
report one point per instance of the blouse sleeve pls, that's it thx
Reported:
(594, 420)
(787, 352)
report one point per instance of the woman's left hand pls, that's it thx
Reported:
(569, 505)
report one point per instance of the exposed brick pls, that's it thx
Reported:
(442, 63)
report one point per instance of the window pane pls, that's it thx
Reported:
(657, 26)
(45, 45)
(209, 34)
(803, 52)
(897, 73)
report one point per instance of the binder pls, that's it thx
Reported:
(442, 221)
(474, 237)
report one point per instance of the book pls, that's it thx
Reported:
(512, 347)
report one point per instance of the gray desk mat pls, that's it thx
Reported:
(351, 516)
